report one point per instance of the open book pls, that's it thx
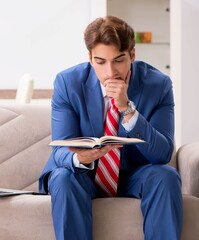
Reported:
(93, 142)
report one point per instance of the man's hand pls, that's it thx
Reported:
(87, 156)
(117, 89)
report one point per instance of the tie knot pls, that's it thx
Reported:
(114, 107)
(112, 102)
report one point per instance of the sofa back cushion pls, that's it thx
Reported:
(25, 133)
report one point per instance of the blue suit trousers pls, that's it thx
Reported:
(158, 187)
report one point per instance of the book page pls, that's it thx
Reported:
(87, 142)
(118, 140)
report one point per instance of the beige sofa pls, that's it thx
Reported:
(24, 137)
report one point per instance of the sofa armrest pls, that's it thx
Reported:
(188, 166)
(190, 229)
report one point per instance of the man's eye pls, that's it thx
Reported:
(119, 60)
(100, 62)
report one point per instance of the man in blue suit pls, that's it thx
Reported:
(144, 97)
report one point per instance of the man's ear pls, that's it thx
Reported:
(132, 55)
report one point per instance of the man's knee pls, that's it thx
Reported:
(166, 175)
(167, 172)
(59, 178)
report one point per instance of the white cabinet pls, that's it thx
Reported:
(147, 16)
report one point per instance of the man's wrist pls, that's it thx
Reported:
(130, 109)
(130, 123)
(77, 163)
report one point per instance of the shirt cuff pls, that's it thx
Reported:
(128, 126)
(77, 164)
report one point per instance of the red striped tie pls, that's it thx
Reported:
(108, 165)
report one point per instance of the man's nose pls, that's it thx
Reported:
(110, 70)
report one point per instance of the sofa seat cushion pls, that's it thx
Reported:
(29, 217)
(117, 218)
(26, 217)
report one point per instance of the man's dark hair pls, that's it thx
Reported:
(109, 31)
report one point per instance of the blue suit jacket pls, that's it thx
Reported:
(77, 110)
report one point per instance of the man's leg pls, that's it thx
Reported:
(159, 187)
(71, 197)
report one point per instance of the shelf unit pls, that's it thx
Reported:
(147, 16)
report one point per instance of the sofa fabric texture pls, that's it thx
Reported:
(25, 133)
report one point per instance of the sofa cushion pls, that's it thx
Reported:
(117, 218)
(25, 133)
(121, 218)
(29, 217)
(26, 217)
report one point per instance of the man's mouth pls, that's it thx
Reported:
(118, 78)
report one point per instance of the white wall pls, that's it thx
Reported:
(176, 64)
(190, 69)
(185, 65)
(42, 38)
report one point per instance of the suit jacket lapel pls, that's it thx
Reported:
(135, 89)
(94, 103)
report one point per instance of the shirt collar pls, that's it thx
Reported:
(103, 90)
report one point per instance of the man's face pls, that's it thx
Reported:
(109, 63)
